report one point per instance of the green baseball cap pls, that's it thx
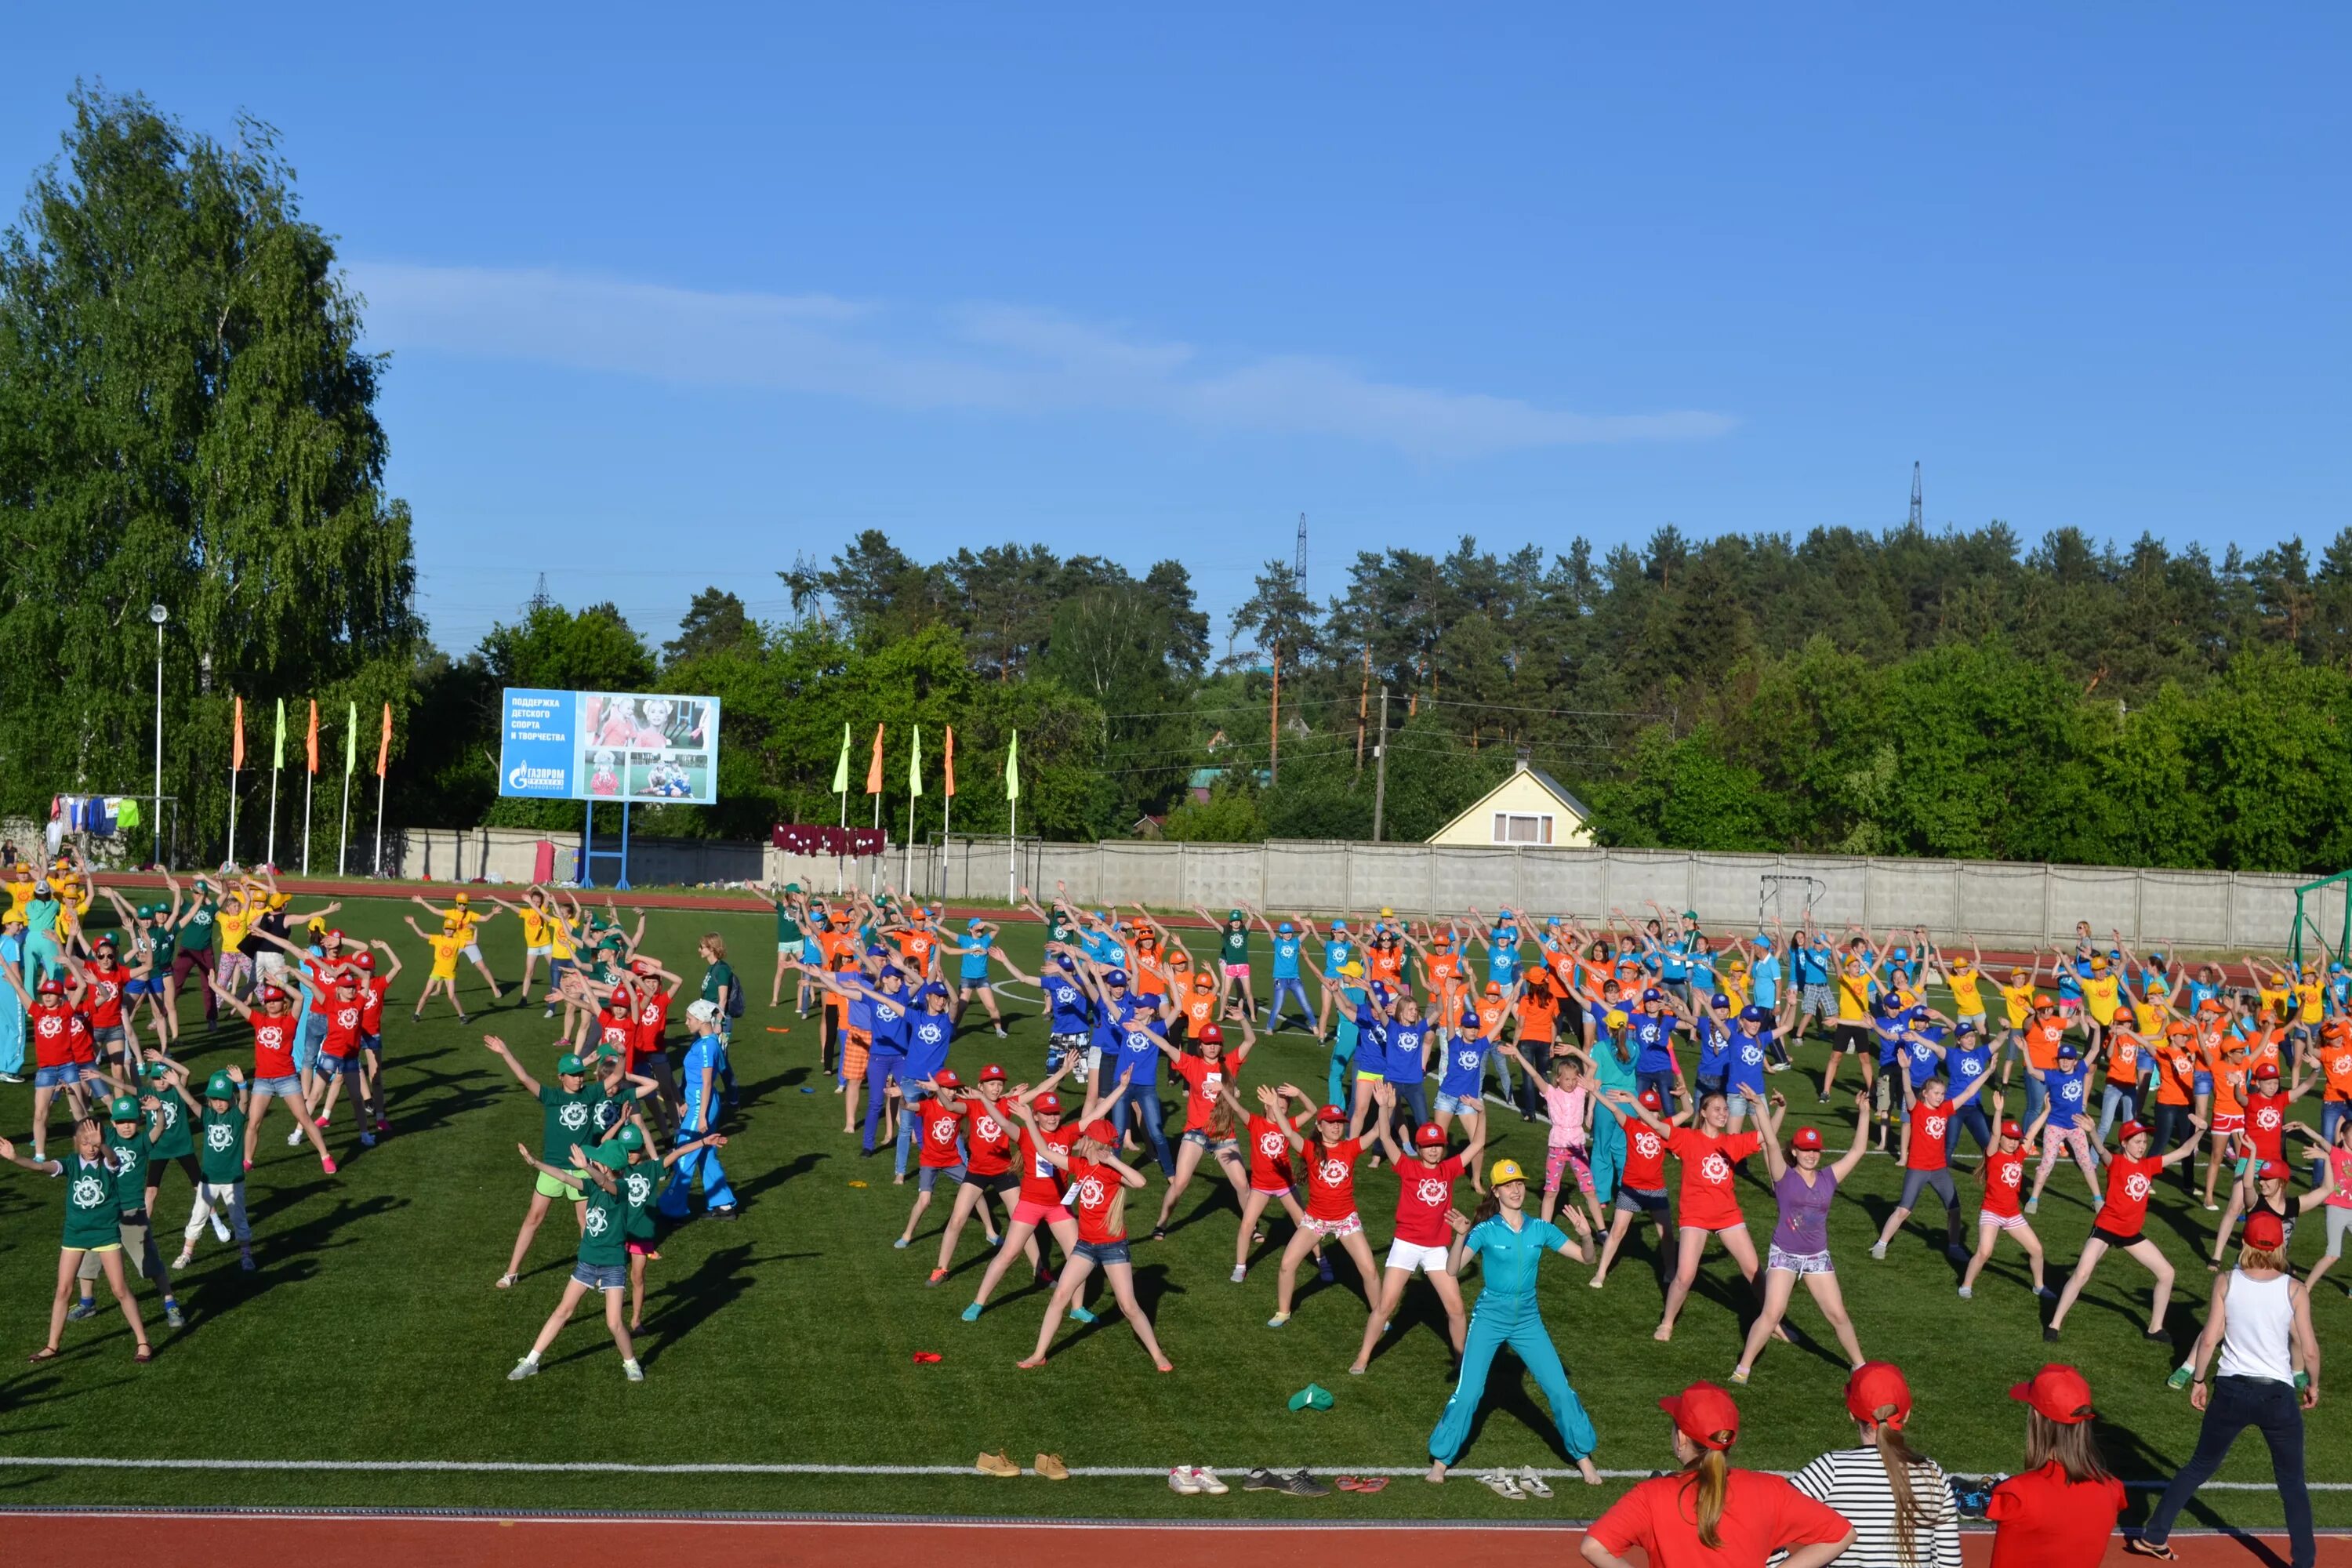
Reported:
(1233, 914)
(155, 1070)
(220, 1086)
(122, 1108)
(630, 1138)
(792, 887)
(569, 1064)
(146, 912)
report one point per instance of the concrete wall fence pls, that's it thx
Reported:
(2002, 901)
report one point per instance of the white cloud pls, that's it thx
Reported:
(994, 358)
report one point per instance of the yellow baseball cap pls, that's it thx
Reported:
(1505, 1171)
(1352, 970)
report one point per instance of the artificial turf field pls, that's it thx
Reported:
(370, 1333)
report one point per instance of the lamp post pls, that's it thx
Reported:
(159, 614)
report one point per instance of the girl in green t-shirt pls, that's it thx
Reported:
(94, 1193)
(604, 1264)
(220, 1167)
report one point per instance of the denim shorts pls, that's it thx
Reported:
(1102, 1253)
(64, 1076)
(930, 1176)
(1457, 1104)
(288, 1088)
(602, 1276)
(111, 1035)
(1219, 1147)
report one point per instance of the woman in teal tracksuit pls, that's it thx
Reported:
(1509, 1243)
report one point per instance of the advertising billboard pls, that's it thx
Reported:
(608, 745)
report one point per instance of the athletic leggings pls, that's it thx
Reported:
(2170, 1125)
(2074, 1140)
(199, 961)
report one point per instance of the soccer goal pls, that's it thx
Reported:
(2308, 904)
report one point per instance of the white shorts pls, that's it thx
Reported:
(546, 951)
(472, 952)
(1999, 1221)
(271, 962)
(1412, 1257)
(1334, 1229)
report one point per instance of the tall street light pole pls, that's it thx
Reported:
(159, 614)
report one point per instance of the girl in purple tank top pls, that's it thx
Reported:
(1805, 1188)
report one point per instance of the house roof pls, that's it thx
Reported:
(1542, 780)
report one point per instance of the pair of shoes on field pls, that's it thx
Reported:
(1000, 1463)
(1191, 1480)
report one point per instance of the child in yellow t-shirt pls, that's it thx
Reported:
(442, 976)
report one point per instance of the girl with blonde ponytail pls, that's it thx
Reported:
(1899, 1501)
(1710, 1513)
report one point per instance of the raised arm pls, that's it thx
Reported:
(498, 1047)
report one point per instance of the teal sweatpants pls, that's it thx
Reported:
(1608, 1156)
(1340, 1083)
(1532, 1346)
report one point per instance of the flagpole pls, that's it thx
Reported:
(308, 780)
(232, 817)
(840, 868)
(1011, 837)
(269, 853)
(343, 839)
(379, 824)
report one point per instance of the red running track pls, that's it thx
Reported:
(235, 1541)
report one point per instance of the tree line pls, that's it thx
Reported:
(187, 419)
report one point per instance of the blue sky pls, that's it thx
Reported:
(675, 294)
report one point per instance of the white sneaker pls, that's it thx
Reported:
(294, 1139)
(1179, 1479)
(522, 1369)
(1878, 1250)
(1206, 1479)
(1967, 1293)
(1238, 1275)
(631, 1371)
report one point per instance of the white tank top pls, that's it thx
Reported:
(2260, 1328)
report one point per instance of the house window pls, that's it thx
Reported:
(1515, 827)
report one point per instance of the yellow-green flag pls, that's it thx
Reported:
(1013, 768)
(352, 741)
(915, 764)
(841, 768)
(278, 756)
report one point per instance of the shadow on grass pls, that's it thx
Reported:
(685, 1304)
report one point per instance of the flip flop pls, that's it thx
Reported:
(1371, 1483)
(1347, 1483)
(1532, 1483)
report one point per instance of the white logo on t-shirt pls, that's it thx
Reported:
(1090, 1192)
(219, 1136)
(1715, 1168)
(1270, 1144)
(2136, 1186)
(596, 1222)
(1332, 1171)
(572, 1117)
(1431, 1193)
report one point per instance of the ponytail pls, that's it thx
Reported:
(1711, 1482)
(1488, 1207)
(1899, 1457)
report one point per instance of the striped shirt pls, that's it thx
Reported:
(1854, 1481)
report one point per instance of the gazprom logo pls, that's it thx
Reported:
(523, 776)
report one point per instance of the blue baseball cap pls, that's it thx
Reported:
(1116, 977)
(1284, 927)
(972, 924)
(1069, 964)
(2068, 1049)
(1718, 1003)
(1753, 1014)
(1339, 925)
(1761, 939)
(1652, 995)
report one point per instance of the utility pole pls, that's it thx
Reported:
(1274, 726)
(1363, 700)
(1380, 768)
(1918, 510)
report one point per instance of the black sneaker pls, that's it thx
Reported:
(2049, 1336)
(729, 1211)
(1262, 1481)
(1300, 1484)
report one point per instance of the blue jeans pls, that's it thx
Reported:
(1662, 1080)
(2037, 1094)
(2116, 1099)
(1288, 985)
(1972, 1116)
(881, 1066)
(700, 1164)
(2238, 1403)
(1533, 1346)
(1143, 1099)
(907, 1121)
(1414, 1098)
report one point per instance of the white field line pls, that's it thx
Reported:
(598, 1467)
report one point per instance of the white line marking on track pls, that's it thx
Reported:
(600, 1467)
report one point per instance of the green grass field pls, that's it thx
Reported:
(371, 1331)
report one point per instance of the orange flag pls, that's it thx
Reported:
(383, 747)
(874, 771)
(237, 740)
(949, 762)
(314, 742)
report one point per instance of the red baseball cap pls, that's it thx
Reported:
(363, 959)
(2058, 1393)
(1430, 1135)
(992, 1071)
(2273, 1170)
(1207, 1032)
(1331, 1113)
(1704, 1413)
(2011, 1130)
(2266, 1069)
(52, 988)
(271, 993)
(2129, 1130)
(2265, 1232)
(946, 1078)
(1049, 1103)
(1806, 1137)
(336, 934)
(1878, 1385)
(1102, 1133)
(1650, 1101)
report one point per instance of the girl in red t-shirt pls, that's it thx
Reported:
(1098, 1186)
(1926, 1159)
(2004, 1178)
(1425, 1181)
(1642, 1185)
(988, 1138)
(1206, 1068)
(1043, 1133)
(1266, 1140)
(1330, 1161)
(1708, 1206)
(2131, 1177)
(274, 1027)
(2060, 1510)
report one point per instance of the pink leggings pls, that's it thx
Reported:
(2076, 1140)
(1563, 1155)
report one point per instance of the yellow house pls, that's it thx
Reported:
(1529, 807)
